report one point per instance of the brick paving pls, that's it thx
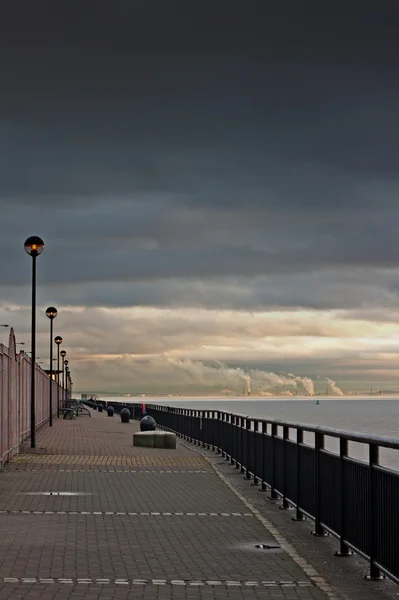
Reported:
(77, 522)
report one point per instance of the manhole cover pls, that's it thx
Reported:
(267, 546)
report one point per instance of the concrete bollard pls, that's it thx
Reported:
(125, 415)
(100, 408)
(148, 423)
(110, 411)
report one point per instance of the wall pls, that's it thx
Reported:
(15, 373)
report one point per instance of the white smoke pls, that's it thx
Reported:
(168, 373)
(240, 380)
(307, 384)
(333, 388)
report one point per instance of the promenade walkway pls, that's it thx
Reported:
(87, 516)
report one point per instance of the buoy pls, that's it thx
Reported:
(317, 402)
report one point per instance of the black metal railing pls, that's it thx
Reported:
(355, 501)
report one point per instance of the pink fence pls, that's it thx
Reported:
(15, 395)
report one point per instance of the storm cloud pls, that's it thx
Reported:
(201, 156)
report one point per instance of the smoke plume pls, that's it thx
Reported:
(333, 388)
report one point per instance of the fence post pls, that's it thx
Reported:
(374, 460)
(343, 454)
(299, 441)
(256, 427)
(227, 431)
(273, 493)
(237, 441)
(319, 445)
(242, 445)
(233, 455)
(262, 458)
(286, 431)
(247, 429)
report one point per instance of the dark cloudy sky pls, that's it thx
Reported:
(214, 181)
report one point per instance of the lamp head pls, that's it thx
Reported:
(58, 340)
(34, 245)
(51, 312)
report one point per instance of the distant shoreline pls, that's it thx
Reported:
(154, 399)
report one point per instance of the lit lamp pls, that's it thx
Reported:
(58, 341)
(51, 313)
(33, 246)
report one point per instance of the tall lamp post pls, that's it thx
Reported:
(66, 377)
(63, 355)
(33, 246)
(67, 380)
(58, 341)
(51, 313)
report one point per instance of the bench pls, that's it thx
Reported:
(69, 413)
(77, 408)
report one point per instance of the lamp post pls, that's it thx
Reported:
(33, 246)
(58, 341)
(51, 313)
(66, 363)
(63, 355)
(67, 381)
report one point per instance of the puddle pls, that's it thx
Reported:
(260, 547)
(57, 494)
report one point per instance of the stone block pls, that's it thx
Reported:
(155, 439)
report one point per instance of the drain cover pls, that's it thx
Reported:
(267, 546)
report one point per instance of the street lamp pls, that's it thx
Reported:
(63, 355)
(58, 341)
(66, 363)
(33, 246)
(51, 313)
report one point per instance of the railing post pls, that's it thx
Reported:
(286, 436)
(212, 429)
(227, 433)
(247, 429)
(374, 460)
(223, 420)
(262, 458)
(241, 444)
(237, 441)
(205, 430)
(299, 441)
(220, 428)
(233, 460)
(256, 427)
(190, 426)
(343, 454)
(319, 445)
(273, 493)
